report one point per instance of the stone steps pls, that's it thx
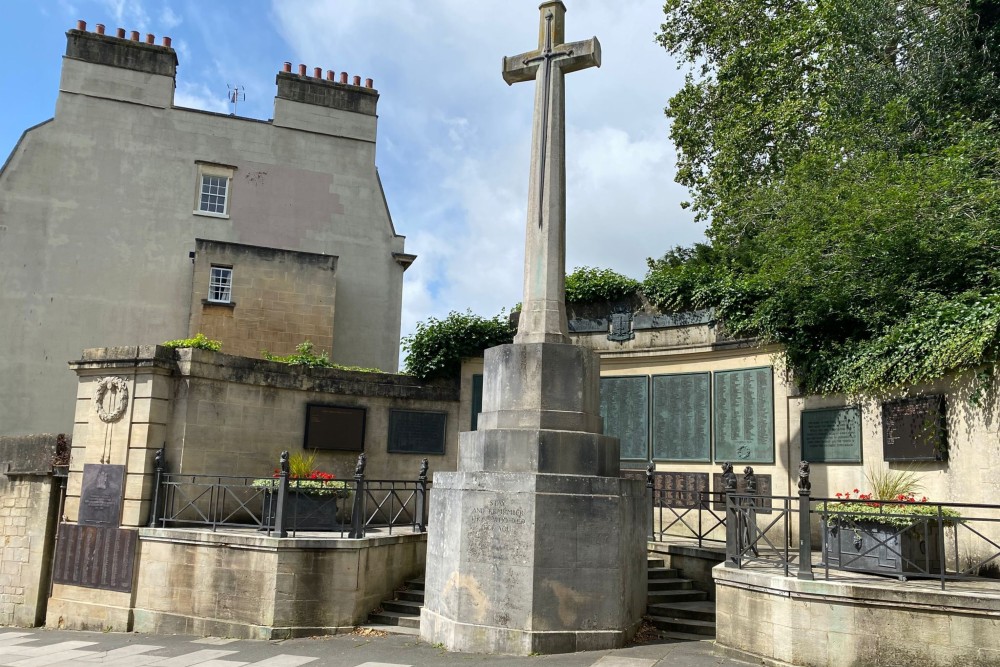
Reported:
(678, 610)
(400, 615)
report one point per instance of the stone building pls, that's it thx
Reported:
(127, 220)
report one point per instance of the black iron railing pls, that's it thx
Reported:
(944, 541)
(285, 506)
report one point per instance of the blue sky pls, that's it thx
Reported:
(454, 139)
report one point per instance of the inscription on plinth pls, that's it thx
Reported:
(101, 495)
(500, 538)
(95, 557)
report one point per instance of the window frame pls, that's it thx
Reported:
(212, 284)
(206, 170)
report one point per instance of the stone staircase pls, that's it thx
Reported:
(400, 615)
(675, 607)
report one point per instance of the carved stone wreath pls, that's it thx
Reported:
(114, 391)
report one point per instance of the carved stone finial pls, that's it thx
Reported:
(283, 462)
(424, 465)
(804, 484)
(359, 469)
(158, 459)
(649, 474)
(750, 480)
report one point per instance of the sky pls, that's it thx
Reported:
(453, 139)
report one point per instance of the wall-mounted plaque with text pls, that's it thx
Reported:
(913, 429)
(831, 435)
(417, 431)
(681, 413)
(625, 409)
(101, 495)
(340, 428)
(743, 415)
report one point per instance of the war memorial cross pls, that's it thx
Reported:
(543, 311)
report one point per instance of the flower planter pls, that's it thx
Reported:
(878, 548)
(304, 511)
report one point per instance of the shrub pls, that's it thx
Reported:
(200, 341)
(587, 285)
(304, 356)
(437, 347)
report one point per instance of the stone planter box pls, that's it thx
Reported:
(878, 548)
(306, 511)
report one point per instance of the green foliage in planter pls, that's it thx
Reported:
(587, 285)
(437, 347)
(200, 341)
(304, 356)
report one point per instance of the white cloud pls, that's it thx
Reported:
(169, 19)
(128, 14)
(198, 96)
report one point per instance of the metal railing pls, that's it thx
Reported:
(284, 506)
(945, 542)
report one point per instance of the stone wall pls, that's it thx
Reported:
(257, 587)
(855, 623)
(28, 508)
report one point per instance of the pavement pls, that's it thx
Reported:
(39, 647)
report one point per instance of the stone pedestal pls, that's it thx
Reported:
(535, 544)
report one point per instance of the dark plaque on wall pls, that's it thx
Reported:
(625, 409)
(914, 430)
(680, 490)
(95, 557)
(633, 473)
(763, 489)
(743, 416)
(477, 399)
(831, 435)
(681, 413)
(101, 495)
(416, 432)
(335, 427)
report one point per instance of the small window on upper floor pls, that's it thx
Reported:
(220, 285)
(214, 190)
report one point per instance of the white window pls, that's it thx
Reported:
(220, 285)
(214, 190)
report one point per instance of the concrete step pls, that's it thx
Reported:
(663, 597)
(684, 636)
(403, 606)
(701, 611)
(415, 584)
(392, 629)
(669, 585)
(663, 573)
(415, 596)
(688, 626)
(653, 562)
(395, 618)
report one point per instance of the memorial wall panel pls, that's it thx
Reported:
(831, 435)
(913, 429)
(625, 409)
(743, 415)
(681, 414)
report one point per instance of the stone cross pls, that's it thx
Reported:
(543, 310)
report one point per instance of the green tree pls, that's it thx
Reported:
(845, 154)
(437, 347)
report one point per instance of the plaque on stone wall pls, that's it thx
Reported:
(625, 409)
(416, 431)
(763, 489)
(477, 399)
(340, 428)
(681, 413)
(682, 490)
(95, 557)
(913, 429)
(743, 416)
(101, 495)
(831, 435)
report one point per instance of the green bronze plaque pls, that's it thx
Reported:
(625, 409)
(681, 413)
(743, 416)
(831, 435)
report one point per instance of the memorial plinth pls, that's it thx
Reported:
(536, 545)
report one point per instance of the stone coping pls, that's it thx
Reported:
(251, 539)
(963, 597)
(687, 548)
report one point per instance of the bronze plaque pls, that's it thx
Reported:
(681, 417)
(633, 473)
(913, 429)
(101, 495)
(335, 427)
(95, 557)
(743, 416)
(625, 410)
(679, 489)
(831, 435)
(417, 431)
(763, 489)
